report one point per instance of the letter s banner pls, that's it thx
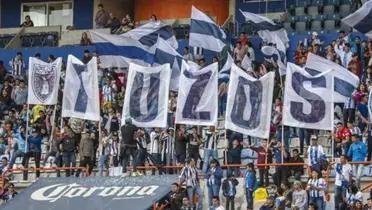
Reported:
(146, 96)
(197, 96)
(308, 100)
(249, 102)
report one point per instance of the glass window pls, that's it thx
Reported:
(60, 14)
(37, 12)
(49, 13)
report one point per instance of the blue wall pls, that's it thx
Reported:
(260, 7)
(10, 13)
(83, 14)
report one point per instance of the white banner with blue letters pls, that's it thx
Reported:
(308, 100)
(249, 103)
(80, 94)
(197, 95)
(146, 96)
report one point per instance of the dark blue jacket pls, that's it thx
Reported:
(34, 143)
(218, 174)
(226, 187)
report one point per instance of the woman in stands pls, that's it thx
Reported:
(28, 22)
(85, 40)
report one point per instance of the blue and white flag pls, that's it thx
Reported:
(361, 19)
(148, 33)
(274, 56)
(80, 93)
(224, 73)
(249, 101)
(197, 96)
(118, 51)
(164, 53)
(268, 30)
(43, 81)
(146, 95)
(308, 101)
(205, 33)
(345, 82)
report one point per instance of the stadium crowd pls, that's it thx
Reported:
(106, 148)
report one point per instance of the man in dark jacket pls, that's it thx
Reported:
(296, 171)
(234, 157)
(229, 191)
(175, 197)
(128, 144)
(86, 150)
(34, 150)
(68, 149)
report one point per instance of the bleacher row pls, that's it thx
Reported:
(42, 39)
(317, 15)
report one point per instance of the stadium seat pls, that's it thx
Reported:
(330, 25)
(316, 23)
(288, 26)
(300, 26)
(318, 3)
(37, 40)
(332, 2)
(313, 10)
(344, 27)
(328, 9)
(344, 10)
(303, 3)
(299, 11)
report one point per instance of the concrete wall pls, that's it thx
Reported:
(177, 9)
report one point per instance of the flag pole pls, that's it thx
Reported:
(333, 119)
(27, 119)
(53, 120)
(282, 126)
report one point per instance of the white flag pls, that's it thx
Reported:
(205, 33)
(80, 94)
(308, 100)
(197, 96)
(370, 105)
(146, 96)
(43, 81)
(249, 102)
(345, 82)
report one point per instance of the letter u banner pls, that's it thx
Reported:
(146, 97)
(249, 102)
(308, 100)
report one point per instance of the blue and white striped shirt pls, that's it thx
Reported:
(319, 183)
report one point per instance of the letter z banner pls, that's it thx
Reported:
(197, 96)
(249, 102)
(308, 100)
(146, 97)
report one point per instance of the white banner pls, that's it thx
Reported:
(146, 96)
(308, 100)
(249, 103)
(43, 81)
(80, 94)
(197, 96)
